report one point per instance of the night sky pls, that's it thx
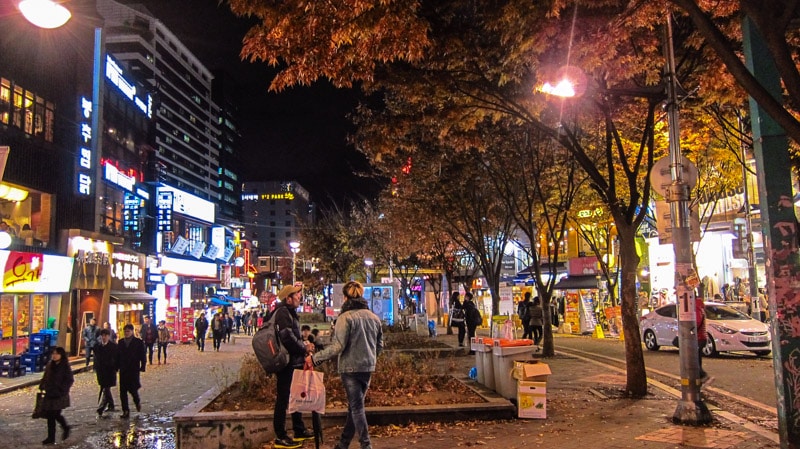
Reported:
(299, 134)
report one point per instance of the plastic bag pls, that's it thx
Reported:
(307, 393)
(508, 330)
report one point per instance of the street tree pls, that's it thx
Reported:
(446, 67)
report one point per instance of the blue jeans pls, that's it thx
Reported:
(355, 385)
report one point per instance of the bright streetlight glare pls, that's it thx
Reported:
(564, 88)
(44, 13)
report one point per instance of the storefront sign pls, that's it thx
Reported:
(581, 266)
(115, 75)
(84, 175)
(180, 246)
(189, 205)
(89, 251)
(35, 273)
(190, 268)
(130, 213)
(197, 250)
(127, 271)
(164, 207)
(113, 175)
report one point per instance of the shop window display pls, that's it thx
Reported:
(32, 313)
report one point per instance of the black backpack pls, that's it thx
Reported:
(270, 352)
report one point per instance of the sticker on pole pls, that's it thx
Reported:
(685, 304)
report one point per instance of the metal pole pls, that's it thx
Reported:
(294, 265)
(691, 409)
(779, 228)
(755, 305)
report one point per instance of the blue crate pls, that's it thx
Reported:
(33, 359)
(12, 372)
(40, 338)
(9, 361)
(39, 348)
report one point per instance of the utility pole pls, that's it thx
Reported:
(691, 409)
(779, 228)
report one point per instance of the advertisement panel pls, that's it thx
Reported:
(35, 273)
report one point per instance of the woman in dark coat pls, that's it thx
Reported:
(457, 316)
(132, 361)
(56, 382)
(472, 317)
(105, 367)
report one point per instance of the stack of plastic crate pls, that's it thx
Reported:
(10, 366)
(38, 353)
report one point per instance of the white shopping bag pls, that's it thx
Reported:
(308, 392)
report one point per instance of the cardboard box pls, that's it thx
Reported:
(532, 399)
(530, 370)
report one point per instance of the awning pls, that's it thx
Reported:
(577, 282)
(560, 267)
(219, 302)
(229, 298)
(119, 296)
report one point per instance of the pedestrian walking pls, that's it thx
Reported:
(472, 316)
(56, 383)
(164, 337)
(357, 341)
(536, 320)
(237, 318)
(149, 335)
(217, 330)
(457, 317)
(522, 313)
(89, 335)
(106, 361)
(200, 329)
(228, 327)
(112, 332)
(132, 361)
(288, 326)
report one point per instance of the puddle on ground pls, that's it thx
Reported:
(151, 432)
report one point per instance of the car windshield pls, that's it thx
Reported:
(714, 312)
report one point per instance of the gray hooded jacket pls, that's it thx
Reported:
(357, 339)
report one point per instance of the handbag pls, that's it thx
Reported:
(307, 393)
(38, 407)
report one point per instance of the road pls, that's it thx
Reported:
(741, 374)
(166, 389)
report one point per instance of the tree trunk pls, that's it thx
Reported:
(634, 359)
(548, 348)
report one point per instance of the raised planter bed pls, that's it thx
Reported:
(196, 429)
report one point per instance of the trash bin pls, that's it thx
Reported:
(487, 361)
(504, 352)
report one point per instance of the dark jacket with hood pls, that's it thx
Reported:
(56, 383)
(289, 333)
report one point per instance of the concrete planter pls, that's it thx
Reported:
(251, 429)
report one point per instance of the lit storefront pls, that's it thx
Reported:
(128, 301)
(31, 296)
(89, 292)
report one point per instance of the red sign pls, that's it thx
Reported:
(583, 266)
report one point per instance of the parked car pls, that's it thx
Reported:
(728, 330)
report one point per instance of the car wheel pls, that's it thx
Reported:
(761, 353)
(650, 341)
(709, 349)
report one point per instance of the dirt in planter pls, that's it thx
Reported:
(399, 380)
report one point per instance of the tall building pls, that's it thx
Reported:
(225, 93)
(186, 136)
(274, 212)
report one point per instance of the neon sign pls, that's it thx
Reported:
(115, 75)
(85, 153)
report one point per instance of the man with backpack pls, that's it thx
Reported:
(288, 329)
(522, 313)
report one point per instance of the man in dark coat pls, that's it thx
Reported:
(105, 368)
(132, 360)
(288, 327)
(149, 335)
(200, 329)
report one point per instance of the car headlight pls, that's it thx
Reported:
(722, 329)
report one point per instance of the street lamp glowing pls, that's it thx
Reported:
(44, 13)
(295, 247)
(563, 88)
(368, 263)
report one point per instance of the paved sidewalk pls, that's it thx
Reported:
(585, 409)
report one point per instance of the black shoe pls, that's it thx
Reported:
(48, 441)
(304, 435)
(286, 443)
(100, 412)
(138, 406)
(65, 433)
(125, 414)
(111, 408)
